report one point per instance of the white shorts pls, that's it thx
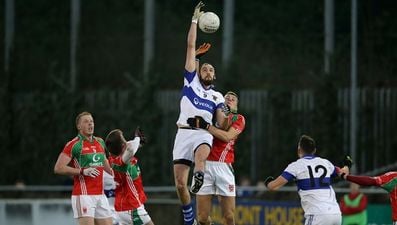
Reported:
(115, 217)
(96, 206)
(187, 141)
(136, 216)
(323, 219)
(218, 179)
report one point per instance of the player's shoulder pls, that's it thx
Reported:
(241, 118)
(217, 96)
(72, 142)
(295, 164)
(215, 92)
(323, 160)
(391, 174)
(214, 96)
(307, 160)
(187, 73)
(100, 140)
(238, 121)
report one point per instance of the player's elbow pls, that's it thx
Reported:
(228, 136)
(57, 169)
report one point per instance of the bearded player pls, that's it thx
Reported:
(191, 144)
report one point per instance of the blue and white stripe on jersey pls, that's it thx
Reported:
(313, 178)
(197, 101)
(310, 173)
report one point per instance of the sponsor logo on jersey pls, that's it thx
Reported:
(196, 101)
(96, 159)
(214, 97)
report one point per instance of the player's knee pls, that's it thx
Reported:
(181, 186)
(180, 181)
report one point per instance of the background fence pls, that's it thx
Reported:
(275, 120)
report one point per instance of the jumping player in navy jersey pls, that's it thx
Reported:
(198, 99)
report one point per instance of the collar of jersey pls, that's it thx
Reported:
(84, 138)
(209, 87)
(309, 156)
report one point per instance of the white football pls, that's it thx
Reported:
(209, 22)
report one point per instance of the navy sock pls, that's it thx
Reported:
(188, 214)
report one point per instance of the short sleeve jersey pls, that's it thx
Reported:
(313, 178)
(196, 100)
(85, 153)
(388, 181)
(224, 151)
(130, 194)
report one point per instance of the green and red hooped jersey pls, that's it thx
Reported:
(130, 194)
(388, 181)
(85, 153)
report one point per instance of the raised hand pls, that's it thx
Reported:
(348, 161)
(226, 109)
(268, 180)
(197, 13)
(202, 50)
(139, 133)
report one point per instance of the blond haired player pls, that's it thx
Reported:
(84, 158)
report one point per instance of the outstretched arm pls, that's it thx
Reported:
(190, 64)
(273, 185)
(361, 180)
(133, 145)
(132, 148)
